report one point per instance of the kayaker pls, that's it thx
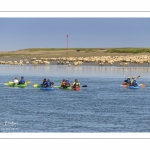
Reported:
(131, 80)
(63, 84)
(22, 81)
(16, 81)
(76, 84)
(127, 80)
(134, 83)
(44, 83)
(49, 83)
(67, 83)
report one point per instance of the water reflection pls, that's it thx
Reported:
(63, 70)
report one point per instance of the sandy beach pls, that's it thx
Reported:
(25, 54)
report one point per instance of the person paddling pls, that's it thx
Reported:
(22, 81)
(49, 83)
(134, 83)
(63, 84)
(67, 83)
(16, 81)
(127, 81)
(76, 84)
(44, 83)
(131, 81)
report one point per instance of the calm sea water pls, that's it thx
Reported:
(102, 106)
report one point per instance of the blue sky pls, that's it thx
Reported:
(21, 33)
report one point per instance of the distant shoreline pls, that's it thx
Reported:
(59, 54)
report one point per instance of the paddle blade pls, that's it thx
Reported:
(10, 82)
(28, 82)
(56, 86)
(35, 85)
(6, 83)
(84, 86)
(138, 77)
(143, 85)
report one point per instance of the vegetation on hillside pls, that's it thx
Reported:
(129, 50)
(62, 49)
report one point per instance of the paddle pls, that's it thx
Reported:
(56, 86)
(142, 85)
(6, 83)
(36, 85)
(84, 86)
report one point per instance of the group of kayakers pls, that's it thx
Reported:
(47, 83)
(22, 81)
(65, 83)
(131, 81)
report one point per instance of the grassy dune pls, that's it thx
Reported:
(62, 49)
(75, 52)
(108, 50)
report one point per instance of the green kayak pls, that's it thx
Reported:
(17, 85)
(66, 88)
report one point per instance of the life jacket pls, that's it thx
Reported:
(134, 83)
(63, 83)
(76, 84)
(128, 80)
(131, 81)
(67, 83)
(48, 84)
(22, 81)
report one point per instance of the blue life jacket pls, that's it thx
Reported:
(134, 83)
(67, 82)
(22, 81)
(48, 83)
(128, 80)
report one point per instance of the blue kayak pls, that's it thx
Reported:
(47, 88)
(133, 87)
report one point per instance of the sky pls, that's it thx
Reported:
(22, 33)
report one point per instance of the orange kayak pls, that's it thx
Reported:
(76, 88)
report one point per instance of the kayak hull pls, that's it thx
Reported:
(123, 85)
(133, 87)
(66, 88)
(130, 87)
(76, 88)
(18, 85)
(47, 88)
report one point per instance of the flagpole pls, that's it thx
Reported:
(67, 43)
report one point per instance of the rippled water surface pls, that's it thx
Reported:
(102, 106)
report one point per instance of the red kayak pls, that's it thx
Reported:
(76, 88)
(124, 83)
